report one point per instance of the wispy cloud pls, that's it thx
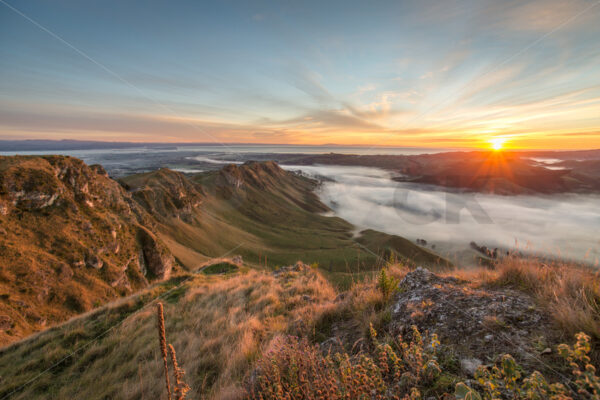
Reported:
(402, 73)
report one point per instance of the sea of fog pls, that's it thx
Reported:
(567, 226)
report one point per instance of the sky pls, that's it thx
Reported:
(397, 73)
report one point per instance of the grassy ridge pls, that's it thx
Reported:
(275, 218)
(218, 324)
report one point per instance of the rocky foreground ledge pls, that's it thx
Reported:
(479, 323)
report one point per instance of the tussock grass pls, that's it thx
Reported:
(233, 318)
(218, 324)
(362, 305)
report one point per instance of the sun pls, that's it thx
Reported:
(497, 143)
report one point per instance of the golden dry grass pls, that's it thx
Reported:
(234, 317)
(218, 325)
(221, 325)
(570, 293)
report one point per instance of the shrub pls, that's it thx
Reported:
(387, 284)
(586, 380)
(505, 380)
(295, 369)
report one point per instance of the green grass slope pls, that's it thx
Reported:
(269, 216)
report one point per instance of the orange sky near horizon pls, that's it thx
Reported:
(509, 142)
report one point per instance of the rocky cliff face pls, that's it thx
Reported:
(154, 258)
(165, 194)
(256, 174)
(32, 184)
(70, 238)
(242, 183)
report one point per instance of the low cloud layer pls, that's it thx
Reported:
(567, 225)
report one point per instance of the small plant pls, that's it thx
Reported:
(162, 340)
(463, 392)
(392, 259)
(387, 285)
(181, 388)
(506, 378)
(586, 380)
(295, 369)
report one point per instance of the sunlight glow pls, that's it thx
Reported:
(497, 143)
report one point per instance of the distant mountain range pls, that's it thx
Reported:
(66, 144)
(504, 173)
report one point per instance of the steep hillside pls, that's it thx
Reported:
(71, 239)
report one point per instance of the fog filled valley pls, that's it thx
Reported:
(556, 226)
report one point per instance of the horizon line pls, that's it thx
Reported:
(117, 142)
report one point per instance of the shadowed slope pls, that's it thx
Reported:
(504, 173)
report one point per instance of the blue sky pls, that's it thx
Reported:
(426, 73)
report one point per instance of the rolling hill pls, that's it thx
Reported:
(269, 216)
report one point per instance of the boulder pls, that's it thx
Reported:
(93, 261)
(469, 366)
(473, 319)
(155, 259)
